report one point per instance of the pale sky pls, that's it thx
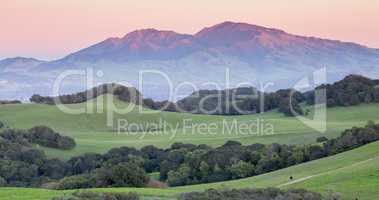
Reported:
(50, 29)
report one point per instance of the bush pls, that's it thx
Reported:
(321, 139)
(241, 170)
(127, 94)
(99, 196)
(122, 175)
(10, 102)
(47, 137)
(252, 194)
(179, 177)
(76, 182)
(352, 90)
(290, 107)
(3, 182)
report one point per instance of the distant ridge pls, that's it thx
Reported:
(239, 39)
(251, 53)
(17, 64)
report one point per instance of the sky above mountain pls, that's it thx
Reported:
(52, 29)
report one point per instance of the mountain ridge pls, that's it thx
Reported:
(249, 52)
(255, 45)
(19, 64)
(200, 32)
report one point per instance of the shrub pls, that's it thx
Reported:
(352, 90)
(47, 137)
(241, 170)
(10, 102)
(127, 94)
(179, 177)
(321, 139)
(76, 182)
(122, 175)
(3, 182)
(251, 194)
(99, 196)
(290, 107)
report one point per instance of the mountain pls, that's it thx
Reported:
(256, 45)
(139, 45)
(16, 79)
(265, 47)
(19, 64)
(245, 52)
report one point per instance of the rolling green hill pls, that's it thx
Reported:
(92, 134)
(354, 174)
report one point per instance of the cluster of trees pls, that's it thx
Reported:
(99, 196)
(201, 164)
(160, 105)
(181, 164)
(255, 194)
(129, 174)
(47, 137)
(40, 135)
(217, 102)
(23, 165)
(127, 94)
(212, 194)
(2, 102)
(244, 100)
(237, 101)
(184, 164)
(352, 90)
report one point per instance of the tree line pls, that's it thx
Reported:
(22, 165)
(257, 194)
(4, 102)
(83, 195)
(127, 94)
(181, 164)
(41, 135)
(186, 165)
(235, 101)
(352, 90)
(238, 101)
(212, 194)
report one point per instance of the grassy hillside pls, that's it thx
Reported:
(92, 134)
(354, 174)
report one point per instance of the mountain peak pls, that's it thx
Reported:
(229, 26)
(231, 33)
(143, 34)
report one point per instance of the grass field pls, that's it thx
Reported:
(93, 135)
(354, 174)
